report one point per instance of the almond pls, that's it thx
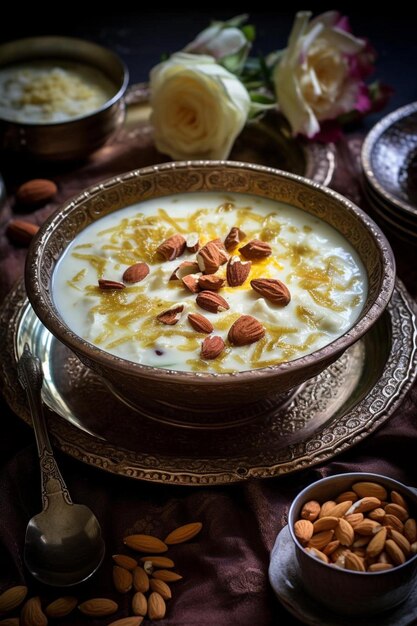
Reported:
(190, 282)
(158, 561)
(186, 267)
(145, 543)
(171, 316)
(354, 519)
(61, 607)
(271, 289)
(200, 323)
(122, 560)
(98, 607)
(394, 552)
(326, 507)
(414, 547)
(172, 247)
(320, 540)
(10, 621)
(347, 495)
(192, 242)
(392, 521)
(135, 273)
(211, 301)
(32, 614)
(368, 527)
(377, 514)
(375, 490)
(364, 505)
(210, 282)
(354, 562)
(410, 530)
(211, 347)
(344, 533)
(303, 530)
(256, 249)
(36, 191)
(22, 232)
(339, 510)
(397, 510)
(379, 567)
(156, 606)
(325, 523)
(401, 541)
(245, 330)
(11, 598)
(396, 498)
(183, 533)
(237, 271)
(140, 579)
(122, 579)
(166, 575)
(234, 238)
(209, 258)
(161, 587)
(318, 554)
(110, 285)
(127, 621)
(310, 510)
(139, 604)
(377, 543)
(331, 547)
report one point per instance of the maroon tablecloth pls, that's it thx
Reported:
(226, 570)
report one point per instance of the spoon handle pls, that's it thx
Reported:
(30, 375)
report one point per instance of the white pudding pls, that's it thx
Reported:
(51, 91)
(306, 260)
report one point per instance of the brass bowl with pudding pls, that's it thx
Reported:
(62, 98)
(197, 288)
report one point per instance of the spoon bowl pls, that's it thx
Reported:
(63, 543)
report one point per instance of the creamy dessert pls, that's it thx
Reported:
(50, 91)
(209, 282)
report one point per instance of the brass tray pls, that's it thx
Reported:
(328, 414)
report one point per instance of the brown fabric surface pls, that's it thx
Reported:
(226, 569)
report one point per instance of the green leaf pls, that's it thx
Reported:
(249, 31)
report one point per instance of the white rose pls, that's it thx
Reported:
(313, 79)
(198, 107)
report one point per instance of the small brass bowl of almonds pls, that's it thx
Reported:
(355, 541)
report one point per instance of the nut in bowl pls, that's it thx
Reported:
(355, 541)
(141, 294)
(62, 98)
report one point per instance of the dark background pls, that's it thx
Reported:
(140, 37)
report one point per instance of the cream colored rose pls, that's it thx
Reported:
(198, 107)
(313, 79)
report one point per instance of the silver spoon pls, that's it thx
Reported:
(63, 543)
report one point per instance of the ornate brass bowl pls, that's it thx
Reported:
(201, 397)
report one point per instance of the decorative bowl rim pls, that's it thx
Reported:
(49, 316)
(366, 156)
(57, 39)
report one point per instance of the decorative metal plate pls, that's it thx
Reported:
(330, 413)
(266, 141)
(389, 159)
(285, 581)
